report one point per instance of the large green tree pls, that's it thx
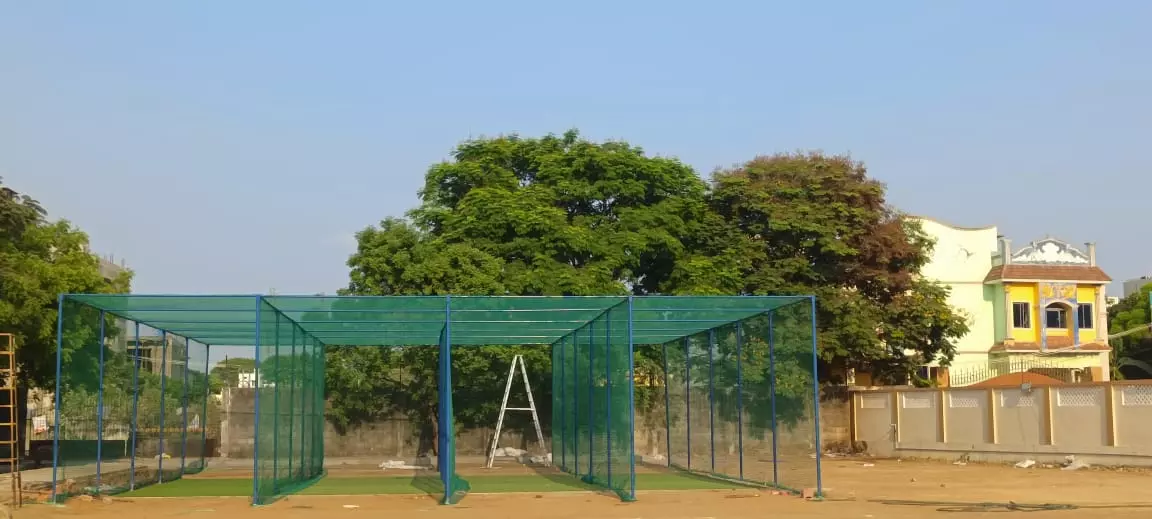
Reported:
(1132, 349)
(558, 215)
(40, 259)
(808, 223)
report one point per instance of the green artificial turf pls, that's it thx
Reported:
(426, 485)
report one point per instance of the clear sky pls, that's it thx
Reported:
(237, 146)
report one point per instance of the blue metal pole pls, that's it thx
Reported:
(256, 409)
(667, 408)
(608, 391)
(184, 404)
(631, 409)
(576, 403)
(816, 401)
(276, 406)
(59, 389)
(100, 407)
(305, 415)
(740, 396)
(163, 390)
(446, 397)
(591, 398)
(204, 417)
(772, 386)
(712, 398)
(563, 409)
(688, 398)
(292, 406)
(135, 425)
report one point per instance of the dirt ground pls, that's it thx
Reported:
(855, 489)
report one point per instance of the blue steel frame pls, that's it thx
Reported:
(100, 408)
(256, 411)
(447, 466)
(163, 387)
(133, 426)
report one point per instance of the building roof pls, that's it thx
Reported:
(1033, 272)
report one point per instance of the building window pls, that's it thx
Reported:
(143, 356)
(1056, 316)
(1021, 315)
(1084, 315)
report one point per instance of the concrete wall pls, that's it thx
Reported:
(1100, 423)
(398, 438)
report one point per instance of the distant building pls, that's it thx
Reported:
(1134, 285)
(109, 269)
(248, 381)
(1037, 308)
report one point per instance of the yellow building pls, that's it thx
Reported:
(1049, 309)
(1040, 308)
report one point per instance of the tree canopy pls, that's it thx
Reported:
(816, 224)
(40, 259)
(1132, 352)
(560, 215)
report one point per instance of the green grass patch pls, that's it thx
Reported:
(543, 483)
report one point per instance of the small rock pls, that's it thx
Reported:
(942, 485)
(913, 480)
(106, 500)
(86, 498)
(1026, 464)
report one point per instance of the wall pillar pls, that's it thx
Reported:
(1008, 313)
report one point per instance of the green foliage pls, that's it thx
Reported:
(40, 259)
(816, 224)
(1132, 353)
(560, 215)
(227, 372)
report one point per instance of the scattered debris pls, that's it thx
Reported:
(510, 452)
(398, 465)
(351, 507)
(1026, 464)
(868, 465)
(960, 463)
(1075, 465)
(165, 456)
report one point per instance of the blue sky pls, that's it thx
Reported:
(237, 146)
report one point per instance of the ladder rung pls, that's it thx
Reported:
(518, 409)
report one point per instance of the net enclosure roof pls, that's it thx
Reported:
(422, 320)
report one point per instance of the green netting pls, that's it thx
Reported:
(592, 402)
(723, 402)
(740, 400)
(289, 383)
(130, 407)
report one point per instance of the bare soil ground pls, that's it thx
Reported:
(854, 490)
